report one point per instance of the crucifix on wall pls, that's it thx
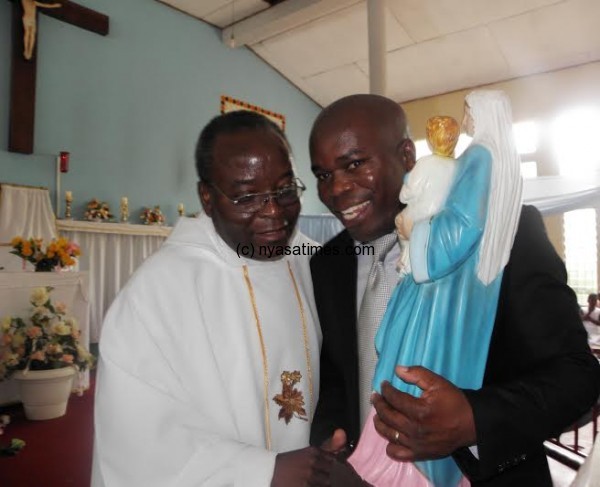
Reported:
(23, 63)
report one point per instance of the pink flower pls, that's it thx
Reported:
(73, 247)
(60, 307)
(67, 358)
(34, 332)
(39, 355)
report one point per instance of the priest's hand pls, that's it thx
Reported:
(336, 444)
(310, 466)
(431, 426)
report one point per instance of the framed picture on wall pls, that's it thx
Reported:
(229, 104)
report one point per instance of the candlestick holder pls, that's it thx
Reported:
(68, 203)
(124, 212)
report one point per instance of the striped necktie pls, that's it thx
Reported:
(372, 308)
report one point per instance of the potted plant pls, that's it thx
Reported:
(42, 352)
(58, 253)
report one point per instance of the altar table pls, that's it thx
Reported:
(110, 252)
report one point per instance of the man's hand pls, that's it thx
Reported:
(588, 317)
(428, 427)
(309, 466)
(336, 443)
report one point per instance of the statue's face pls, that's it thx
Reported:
(468, 126)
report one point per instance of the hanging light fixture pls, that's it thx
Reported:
(232, 36)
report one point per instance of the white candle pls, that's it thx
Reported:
(68, 196)
(180, 208)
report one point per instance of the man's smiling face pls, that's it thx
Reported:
(360, 167)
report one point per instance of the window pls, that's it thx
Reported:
(527, 135)
(575, 134)
(422, 148)
(580, 238)
(529, 169)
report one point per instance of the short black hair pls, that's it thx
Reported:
(229, 123)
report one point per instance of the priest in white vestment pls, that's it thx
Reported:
(209, 365)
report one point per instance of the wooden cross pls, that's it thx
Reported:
(23, 72)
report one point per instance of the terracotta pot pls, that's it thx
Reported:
(45, 393)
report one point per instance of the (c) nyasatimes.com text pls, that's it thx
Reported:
(269, 251)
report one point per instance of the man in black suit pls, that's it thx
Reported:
(540, 375)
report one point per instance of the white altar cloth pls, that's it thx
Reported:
(72, 288)
(111, 252)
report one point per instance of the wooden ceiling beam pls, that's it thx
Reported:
(280, 18)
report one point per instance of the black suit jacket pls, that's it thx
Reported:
(540, 375)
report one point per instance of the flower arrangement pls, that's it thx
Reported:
(48, 339)
(60, 252)
(15, 445)
(152, 216)
(97, 210)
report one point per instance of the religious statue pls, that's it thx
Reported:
(441, 314)
(29, 23)
(426, 186)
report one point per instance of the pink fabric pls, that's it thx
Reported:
(371, 462)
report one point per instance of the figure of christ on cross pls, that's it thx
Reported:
(23, 66)
(29, 23)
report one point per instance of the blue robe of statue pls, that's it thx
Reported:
(441, 316)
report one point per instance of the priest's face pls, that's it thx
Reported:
(251, 162)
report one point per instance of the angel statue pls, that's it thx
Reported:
(441, 314)
(29, 23)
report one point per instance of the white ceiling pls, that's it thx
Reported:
(433, 46)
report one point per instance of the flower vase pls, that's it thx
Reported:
(44, 266)
(45, 393)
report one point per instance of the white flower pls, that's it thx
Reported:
(54, 349)
(41, 312)
(5, 325)
(83, 353)
(72, 323)
(61, 328)
(39, 296)
(12, 359)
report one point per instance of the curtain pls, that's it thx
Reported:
(559, 194)
(25, 212)
(320, 228)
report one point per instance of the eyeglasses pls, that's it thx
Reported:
(253, 202)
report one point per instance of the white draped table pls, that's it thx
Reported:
(72, 288)
(110, 252)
